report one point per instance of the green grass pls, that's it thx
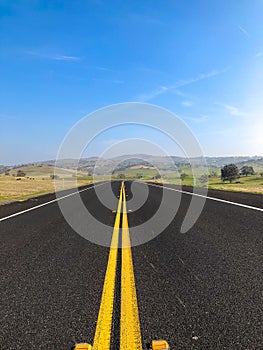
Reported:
(10, 189)
(85, 178)
(251, 184)
(32, 194)
(144, 173)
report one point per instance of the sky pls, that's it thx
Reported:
(61, 60)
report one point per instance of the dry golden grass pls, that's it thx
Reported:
(44, 171)
(236, 188)
(12, 189)
(37, 181)
(142, 167)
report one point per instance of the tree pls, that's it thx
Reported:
(203, 179)
(121, 176)
(20, 173)
(247, 170)
(183, 176)
(54, 177)
(229, 172)
(213, 173)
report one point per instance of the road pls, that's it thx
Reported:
(198, 290)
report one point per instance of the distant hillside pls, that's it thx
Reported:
(102, 166)
(3, 168)
(239, 161)
(43, 171)
(257, 164)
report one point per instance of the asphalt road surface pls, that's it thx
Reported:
(198, 290)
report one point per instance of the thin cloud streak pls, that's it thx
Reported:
(186, 96)
(244, 31)
(181, 83)
(187, 103)
(55, 57)
(201, 119)
(233, 110)
(105, 69)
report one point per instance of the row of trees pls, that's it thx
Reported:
(230, 172)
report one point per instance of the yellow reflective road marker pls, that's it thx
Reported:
(160, 345)
(104, 323)
(83, 346)
(130, 334)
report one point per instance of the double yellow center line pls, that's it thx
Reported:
(130, 335)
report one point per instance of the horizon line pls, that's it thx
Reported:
(133, 154)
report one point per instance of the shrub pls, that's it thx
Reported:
(203, 179)
(183, 176)
(54, 177)
(20, 173)
(229, 173)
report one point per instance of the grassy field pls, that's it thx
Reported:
(44, 171)
(252, 183)
(37, 181)
(138, 172)
(12, 189)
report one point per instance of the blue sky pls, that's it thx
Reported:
(60, 60)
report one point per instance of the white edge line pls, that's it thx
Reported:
(200, 195)
(46, 203)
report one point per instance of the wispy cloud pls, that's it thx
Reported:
(181, 94)
(181, 83)
(65, 58)
(259, 54)
(186, 96)
(55, 57)
(201, 119)
(154, 93)
(105, 69)
(244, 31)
(187, 103)
(233, 110)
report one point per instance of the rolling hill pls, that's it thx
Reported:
(102, 166)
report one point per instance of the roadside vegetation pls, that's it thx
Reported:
(29, 181)
(229, 178)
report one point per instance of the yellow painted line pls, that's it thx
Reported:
(130, 334)
(104, 322)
